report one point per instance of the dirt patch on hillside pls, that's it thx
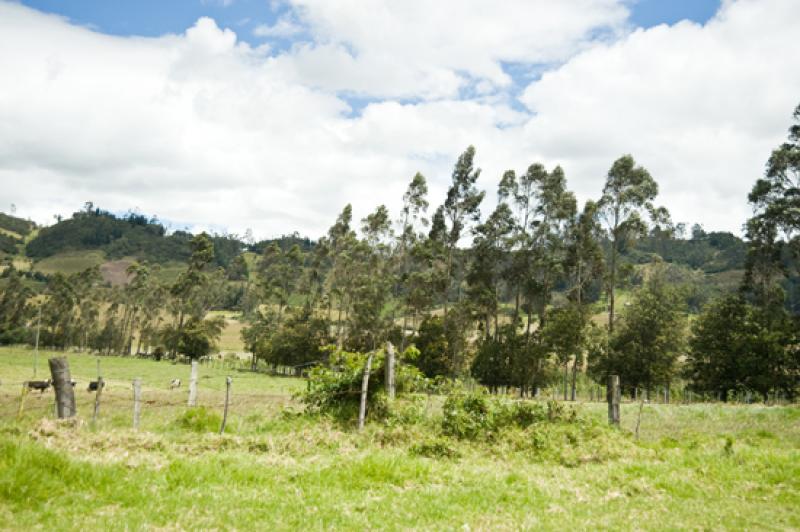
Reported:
(115, 272)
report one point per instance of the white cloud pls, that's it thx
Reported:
(283, 28)
(418, 48)
(700, 106)
(203, 129)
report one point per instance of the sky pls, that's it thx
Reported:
(230, 115)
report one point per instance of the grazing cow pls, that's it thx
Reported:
(39, 385)
(93, 386)
(176, 383)
(73, 382)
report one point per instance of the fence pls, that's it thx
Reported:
(137, 403)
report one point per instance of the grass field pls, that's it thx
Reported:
(703, 466)
(70, 262)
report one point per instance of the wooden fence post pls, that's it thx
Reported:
(390, 382)
(137, 402)
(65, 394)
(228, 382)
(193, 384)
(362, 410)
(99, 392)
(613, 396)
(22, 399)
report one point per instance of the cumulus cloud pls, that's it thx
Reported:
(201, 128)
(700, 106)
(422, 49)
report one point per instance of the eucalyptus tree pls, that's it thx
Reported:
(541, 207)
(461, 208)
(370, 281)
(489, 251)
(415, 204)
(337, 245)
(774, 228)
(280, 274)
(190, 287)
(556, 206)
(584, 263)
(628, 193)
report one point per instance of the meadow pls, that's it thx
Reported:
(698, 466)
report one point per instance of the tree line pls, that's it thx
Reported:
(532, 294)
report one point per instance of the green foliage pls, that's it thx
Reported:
(300, 341)
(478, 415)
(735, 348)
(199, 419)
(9, 244)
(431, 341)
(16, 225)
(336, 389)
(644, 349)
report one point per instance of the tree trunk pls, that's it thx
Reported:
(574, 377)
(65, 393)
(613, 397)
(362, 410)
(390, 363)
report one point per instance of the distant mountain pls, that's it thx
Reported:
(13, 231)
(128, 236)
(132, 235)
(16, 225)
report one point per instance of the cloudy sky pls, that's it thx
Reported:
(272, 115)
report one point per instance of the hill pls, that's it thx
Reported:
(13, 232)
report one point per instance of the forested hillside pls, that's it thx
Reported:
(530, 291)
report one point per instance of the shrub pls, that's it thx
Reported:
(199, 419)
(471, 415)
(336, 389)
(467, 416)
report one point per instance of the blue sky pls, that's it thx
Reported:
(157, 17)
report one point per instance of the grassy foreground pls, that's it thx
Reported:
(697, 466)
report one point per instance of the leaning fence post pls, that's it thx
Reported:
(22, 399)
(390, 382)
(99, 391)
(193, 384)
(362, 410)
(228, 382)
(613, 396)
(65, 394)
(137, 402)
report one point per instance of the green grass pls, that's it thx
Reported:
(704, 466)
(70, 262)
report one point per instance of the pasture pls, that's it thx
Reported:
(700, 466)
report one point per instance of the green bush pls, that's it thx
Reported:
(476, 414)
(336, 389)
(467, 415)
(199, 419)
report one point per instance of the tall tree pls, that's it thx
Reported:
(460, 208)
(628, 193)
(415, 204)
(489, 249)
(774, 228)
